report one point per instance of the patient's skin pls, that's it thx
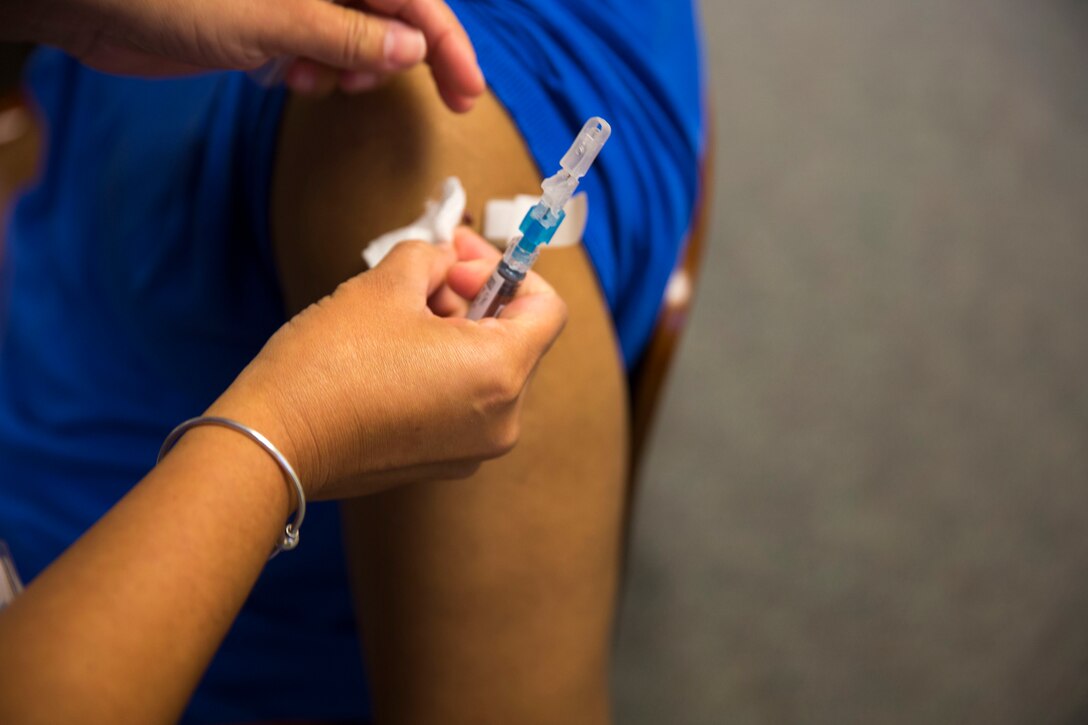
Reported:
(487, 600)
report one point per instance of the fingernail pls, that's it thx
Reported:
(404, 46)
(357, 81)
(302, 79)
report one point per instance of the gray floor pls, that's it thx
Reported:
(867, 500)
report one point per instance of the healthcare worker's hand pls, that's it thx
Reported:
(354, 47)
(375, 383)
(384, 382)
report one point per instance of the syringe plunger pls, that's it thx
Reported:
(575, 163)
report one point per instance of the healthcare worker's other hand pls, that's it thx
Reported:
(382, 382)
(355, 47)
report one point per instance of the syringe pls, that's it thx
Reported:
(541, 222)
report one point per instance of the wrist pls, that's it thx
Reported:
(290, 537)
(253, 474)
(292, 439)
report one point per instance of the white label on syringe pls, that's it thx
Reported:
(494, 297)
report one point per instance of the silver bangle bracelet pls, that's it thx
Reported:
(291, 532)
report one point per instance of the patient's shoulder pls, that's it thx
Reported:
(348, 169)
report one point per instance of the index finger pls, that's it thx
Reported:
(470, 246)
(417, 269)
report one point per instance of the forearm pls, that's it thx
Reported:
(122, 626)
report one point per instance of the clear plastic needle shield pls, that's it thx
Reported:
(541, 222)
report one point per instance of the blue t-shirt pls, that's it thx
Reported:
(138, 280)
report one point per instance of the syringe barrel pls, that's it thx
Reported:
(496, 294)
(540, 224)
(516, 262)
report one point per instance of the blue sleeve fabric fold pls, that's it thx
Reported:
(638, 65)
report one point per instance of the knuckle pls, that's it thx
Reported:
(511, 386)
(417, 248)
(506, 386)
(412, 251)
(362, 40)
(505, 436)
(505, 375)
(499, 414)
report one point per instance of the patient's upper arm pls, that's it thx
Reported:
(520, 630)
(351, 168)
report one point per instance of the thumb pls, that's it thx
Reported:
(343, 38)
(537, 315)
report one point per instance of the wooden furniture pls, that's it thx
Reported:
(649, 376)
(19, 148)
